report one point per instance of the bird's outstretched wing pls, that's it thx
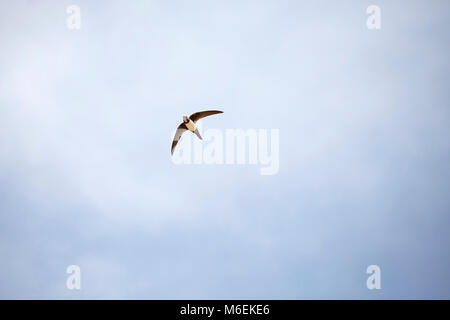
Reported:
(198, 115)
(181, 128)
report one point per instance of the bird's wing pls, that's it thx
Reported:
(181, 128)
(198, 115)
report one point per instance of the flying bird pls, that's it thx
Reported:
(189, 124)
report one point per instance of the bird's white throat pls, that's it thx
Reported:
(191, 125)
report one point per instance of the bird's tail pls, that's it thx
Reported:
(198, 134)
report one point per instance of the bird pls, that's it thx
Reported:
(189, 124)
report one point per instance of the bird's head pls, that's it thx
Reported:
(185, 119)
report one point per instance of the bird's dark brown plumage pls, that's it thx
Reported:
(180, 130)
(198, 115)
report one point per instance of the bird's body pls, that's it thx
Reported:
(189, 124)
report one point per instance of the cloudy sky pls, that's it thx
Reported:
(86, 177)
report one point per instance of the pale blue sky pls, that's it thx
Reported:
(86, 119)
